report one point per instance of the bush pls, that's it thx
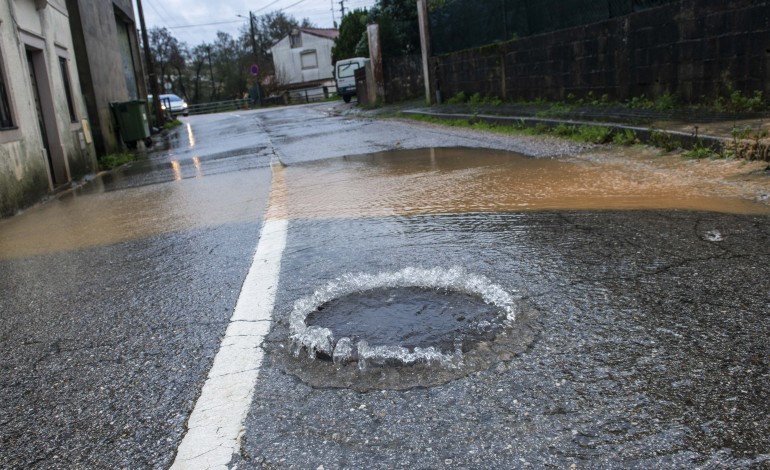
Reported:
(667, 102)
(477, 100)
(457, 99)
(738, 103)
(172, 124)
(664, 140)
(564, 130)
(594, 134)
(626, 138)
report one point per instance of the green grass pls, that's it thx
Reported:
(172, 124)
(584, 134)
(114, 160)
(701, 153)
(589, 134)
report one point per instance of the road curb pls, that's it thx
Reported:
(683, 140)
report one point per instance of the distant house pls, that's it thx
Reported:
(45, 139)
(303, 60)
(109, 62)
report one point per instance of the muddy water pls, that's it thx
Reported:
(444, 181)
(408, 182)
(94, 216)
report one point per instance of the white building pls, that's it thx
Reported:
(303, 61)
(45, 140)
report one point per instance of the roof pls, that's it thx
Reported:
(324, 33)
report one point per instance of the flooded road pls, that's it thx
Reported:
(495, 302)
(462, 180)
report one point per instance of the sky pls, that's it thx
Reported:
(197, 21)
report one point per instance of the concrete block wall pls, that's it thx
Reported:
(403, 78)
(695, 48)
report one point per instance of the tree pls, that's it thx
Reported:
(399, 30)
(196, 65)
(165, 50)
(352, 29)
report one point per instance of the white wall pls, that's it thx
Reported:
(24, 170)
(288, 60)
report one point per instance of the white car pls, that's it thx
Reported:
(175, 104)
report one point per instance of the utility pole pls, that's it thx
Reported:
(252, 28)
(342, 7)
(153, 79)
(253, 37)
(334, 19)
(427, 73)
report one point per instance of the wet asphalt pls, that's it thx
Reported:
(648, 344)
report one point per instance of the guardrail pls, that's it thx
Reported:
(218, 106)
(288, 97)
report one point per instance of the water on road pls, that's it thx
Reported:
(583, 310)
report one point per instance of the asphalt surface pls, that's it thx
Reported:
(646, 339)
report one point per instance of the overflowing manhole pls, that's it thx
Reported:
(414, 327)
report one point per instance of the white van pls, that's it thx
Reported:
(344, 73)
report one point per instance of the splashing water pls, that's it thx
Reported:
(320, 342)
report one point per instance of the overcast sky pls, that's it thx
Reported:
(196, 21)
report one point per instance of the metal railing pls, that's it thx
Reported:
(219, 106)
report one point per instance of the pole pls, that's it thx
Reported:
(428, 75)
(252, 20)
(151, 77)
(342, 7)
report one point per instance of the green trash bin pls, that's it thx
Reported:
(133, 125)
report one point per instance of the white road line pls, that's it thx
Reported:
(216, 425)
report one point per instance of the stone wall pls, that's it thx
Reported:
(403, 78)
(693, 48)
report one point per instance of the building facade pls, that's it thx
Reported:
(109, 62)
(303, 59)
(45, 138)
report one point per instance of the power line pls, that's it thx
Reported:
(267, 6)
(204, 24)
(292, 5)
(162, 19)
(154, 3)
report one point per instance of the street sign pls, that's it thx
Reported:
(255, 69)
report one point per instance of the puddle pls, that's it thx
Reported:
(457, 180)
(415, 327)
(96, 216)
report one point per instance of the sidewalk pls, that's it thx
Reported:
(743, 135)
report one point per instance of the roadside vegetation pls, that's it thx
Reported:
(591, 134)
(114, 160)
(172, 124)
(747, 142)
(735, 103)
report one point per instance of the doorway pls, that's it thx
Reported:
(58, 170)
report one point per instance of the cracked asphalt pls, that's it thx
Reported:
(649, 327)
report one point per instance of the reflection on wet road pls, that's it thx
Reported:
(163, 192)
(635, 330)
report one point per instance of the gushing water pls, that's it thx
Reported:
(319, 341)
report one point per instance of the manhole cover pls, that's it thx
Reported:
(411, 318)
(414, 327)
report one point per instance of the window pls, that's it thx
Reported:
(6, 119)
(295, 39)
(309, 59)
(65, 74)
